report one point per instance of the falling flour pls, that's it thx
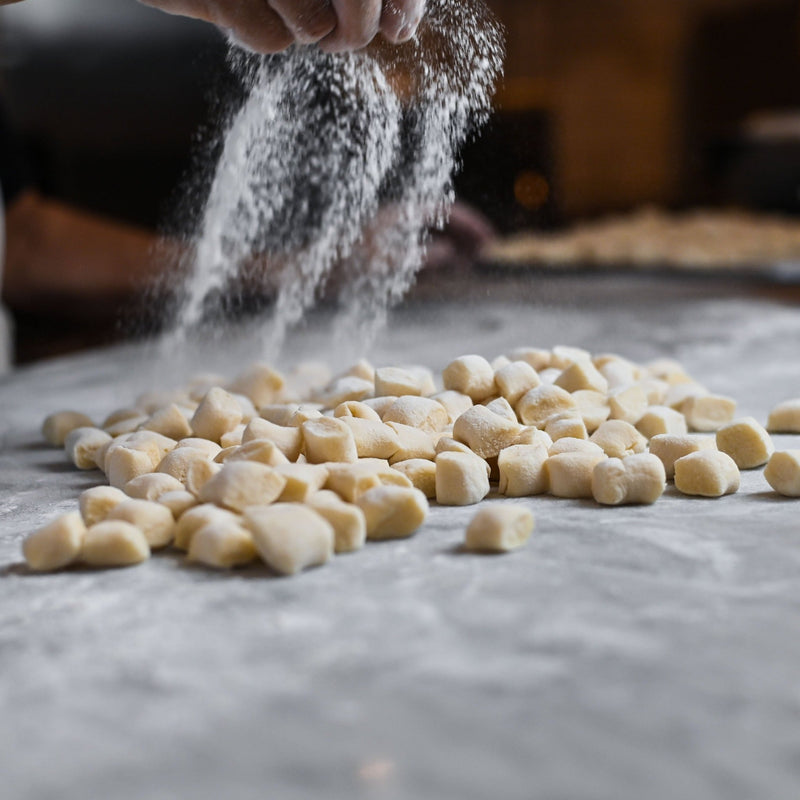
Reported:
(340, 161)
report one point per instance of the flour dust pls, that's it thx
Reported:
(339, 164)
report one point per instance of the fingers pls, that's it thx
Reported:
(254, 25)
(308, 20)
(400, 19)
(358, 24)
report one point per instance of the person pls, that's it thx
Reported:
(269, 26)
(74, 264)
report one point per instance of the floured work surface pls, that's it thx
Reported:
(624, 653)
(759, 247)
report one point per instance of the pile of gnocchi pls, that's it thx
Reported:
(292, 469)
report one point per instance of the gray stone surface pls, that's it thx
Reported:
(625, 653)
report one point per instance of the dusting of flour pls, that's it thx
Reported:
(340, 161)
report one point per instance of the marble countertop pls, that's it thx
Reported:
(624, 653)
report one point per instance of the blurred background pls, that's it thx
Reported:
(607, 106)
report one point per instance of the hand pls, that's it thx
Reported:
(269, 26)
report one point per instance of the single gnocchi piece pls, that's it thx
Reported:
(57, 544)
(455, 403)
(461, 479)
(593, 408)
(785, 417)
(200, 472)
(421, 473)
(658, 420)
(154, 520)
(471, 375)
(356, 410)
(178, 502)
(570, 445)
(582, 375)
(210, 449)
(329, 439)
(707, 473)
(485, 432)
(123, 464)
(223, 544)
(570, 474)
(418, 412)
(746, 442)
(393, 512)
(218, 412)
(538, 405)
(501, 407)
(708, 413)
(260, 383)
(628, 403)
(499, 529)
(515, 379)
(783, 472)
(522, 470)
(669, 447)
(152, 485)
(350, 481)
(637, 479)
(290, 537)
(346, 519)
(414, 443)
(114, 543)
(232, 438)
(169, 421)
(619, 439)
(302, 481)
(373, 438)
(96, 503)
(58, 426)
(398, 381)
(196, 518)
(346, 389)
(263, 451)
(243, 483)
(566, 426)
(82, 444)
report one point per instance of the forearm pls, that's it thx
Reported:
(67, 261)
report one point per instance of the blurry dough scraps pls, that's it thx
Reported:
(653, 238)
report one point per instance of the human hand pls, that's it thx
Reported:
(269, 26)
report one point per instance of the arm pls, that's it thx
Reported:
(68, 262)
(269, 26)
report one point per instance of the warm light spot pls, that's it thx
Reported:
(379, 770)
(531, 190)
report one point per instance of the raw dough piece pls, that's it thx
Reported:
(707, 473)
(462, 479)
(347, 520)
(522, 470)
(393, 512)
(96, 503)
(56, 545)
(783, 472)
(57, 426)
(471, 375)
(499, 529)
(218, 412)
(154, 520)
(114, 543)
(223, 543)
(746, 442)
(636, 479)
(240, 484)
(290, 537)
(785, 417)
